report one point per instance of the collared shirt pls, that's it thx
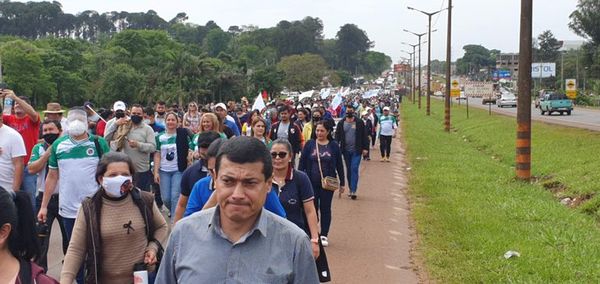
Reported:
(273, 251)
(296, 191)
(191, 175)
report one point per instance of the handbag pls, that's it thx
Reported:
(327, 183)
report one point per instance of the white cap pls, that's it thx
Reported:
(221, 105)
(119, 105)
(386, 108)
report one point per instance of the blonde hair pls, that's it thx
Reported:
(257, 120)
(215, 121)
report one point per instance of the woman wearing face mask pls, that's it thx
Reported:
(117, 228)
(170, 160)
(18, 244)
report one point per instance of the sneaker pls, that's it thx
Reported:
(387, 159)
(353, 196)
(324, 241)
(382, 159)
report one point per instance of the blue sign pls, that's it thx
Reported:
(501, 74)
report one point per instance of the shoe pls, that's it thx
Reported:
(353, 196)
(387, 159)
(382, 159)
(368, 159)
(324, 241)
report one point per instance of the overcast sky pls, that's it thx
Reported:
(491, 23)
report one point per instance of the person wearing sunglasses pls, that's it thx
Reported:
(295, 192)
(331, 165)
(170, 160)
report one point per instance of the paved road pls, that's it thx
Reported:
(370, 238)
(580, 117)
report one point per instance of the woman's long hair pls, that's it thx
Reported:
(17, 211)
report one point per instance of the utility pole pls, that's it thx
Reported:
(411, 64)
(448, 69)
(429, 15)
(414, 60)
(523, 145)
(419, 87)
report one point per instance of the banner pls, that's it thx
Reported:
(304, 95)
(325, 93)
(337, 101)
(371, 93)
(543, 70)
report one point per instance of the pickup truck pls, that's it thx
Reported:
(550, 103)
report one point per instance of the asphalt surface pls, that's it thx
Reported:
(370, 239)
(580, 117)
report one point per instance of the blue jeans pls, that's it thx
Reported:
(170, 188)
(323, 200)
(352, 161)
(69, 224)
(29, 185)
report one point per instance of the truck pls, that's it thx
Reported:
(555, 102)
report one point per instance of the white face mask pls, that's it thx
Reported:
(146, 121)
(77, 127)
(112, 185)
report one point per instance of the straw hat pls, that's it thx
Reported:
(53, 108)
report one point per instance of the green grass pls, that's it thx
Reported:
(469, 210)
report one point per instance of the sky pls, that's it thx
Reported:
(491, 23)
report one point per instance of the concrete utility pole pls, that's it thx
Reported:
(448, 69)
(429, 15)
(414, 59)
(419, 87)
(411, 64)
(523, 151)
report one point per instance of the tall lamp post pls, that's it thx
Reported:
(414, 54)
(419, 86)
(429, 15)
(448, 69)
(411, 63)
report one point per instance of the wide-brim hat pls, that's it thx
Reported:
(53, 108)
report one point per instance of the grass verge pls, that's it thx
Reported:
(469, 210)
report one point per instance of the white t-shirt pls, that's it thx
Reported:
(11, 146)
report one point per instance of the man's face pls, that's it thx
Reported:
(386, 112)
(137, 111)
(202, 150)
(50, 128)
(19, 111)
(222, 113)
(241, 190)
(160, 108)
(284, 116)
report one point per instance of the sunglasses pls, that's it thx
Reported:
(281, 155)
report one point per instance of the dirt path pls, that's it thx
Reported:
(371, 238)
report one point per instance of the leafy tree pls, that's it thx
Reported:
(267, 78)
(216, 41)
(476, 57)
(302, 72)
(351, 43)
(121, 82)
(549, 46)
(585, 20)
(376, 62)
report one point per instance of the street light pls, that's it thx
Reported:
(429, 15)
(412, 72)
(414, 54)
(419, 87)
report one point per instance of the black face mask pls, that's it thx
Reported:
(136, 119)
(161, 113)
(350, 114)
(50, 138)
(316, 118)
(119, 114)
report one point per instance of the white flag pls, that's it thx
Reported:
(305, 95)
(325, 93)
(259, 103)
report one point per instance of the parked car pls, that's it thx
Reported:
(550, 103)
(507, 99)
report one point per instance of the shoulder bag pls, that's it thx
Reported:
(327, 183)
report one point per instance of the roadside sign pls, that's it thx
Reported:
(454, 88)
(479, 89)
(571, 88)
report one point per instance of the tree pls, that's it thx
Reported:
(216, 41)
(267, 78)
(376, 62)
(351, 43)
(121, 82)
(548, 47)
(476, 58)
(302, 72)
(585, 20)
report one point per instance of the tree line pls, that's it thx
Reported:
(50, 55)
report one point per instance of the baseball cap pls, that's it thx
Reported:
(386, 108)
(221, 105)
(119, 105)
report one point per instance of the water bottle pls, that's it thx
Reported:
(140, 273)
(8, 105)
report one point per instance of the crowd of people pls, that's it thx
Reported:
(198, 194)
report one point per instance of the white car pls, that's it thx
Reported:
(507, 99)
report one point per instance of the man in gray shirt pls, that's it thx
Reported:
(238, 241)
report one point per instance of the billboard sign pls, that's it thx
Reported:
(543, 70)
